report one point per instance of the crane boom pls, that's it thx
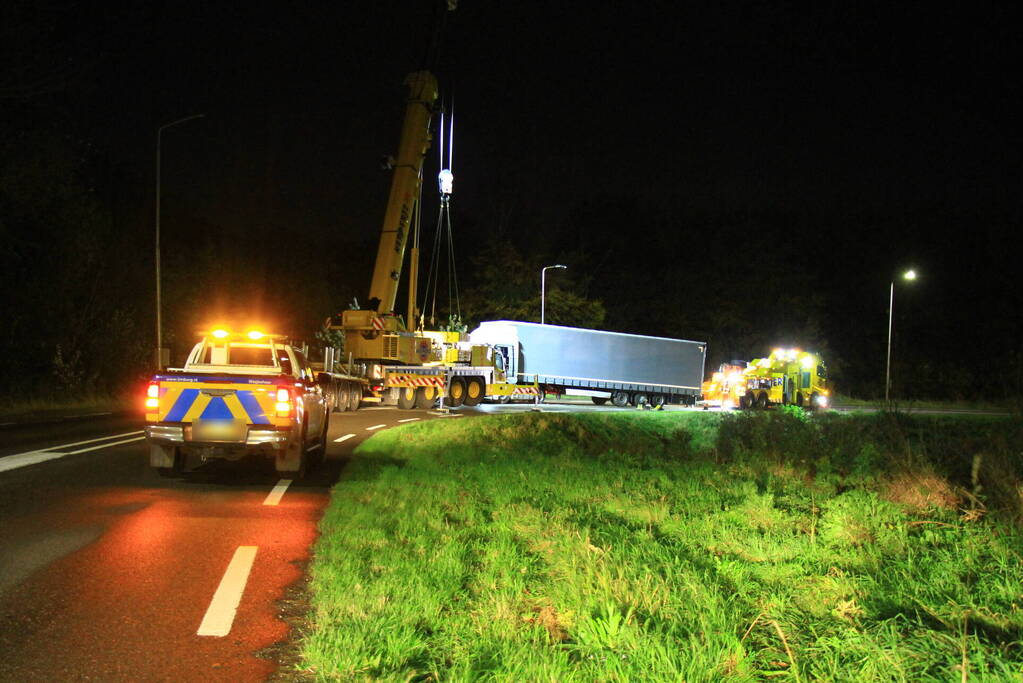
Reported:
(415, 141)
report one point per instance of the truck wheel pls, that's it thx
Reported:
(407, 398)
(354, 397)
(291, 462)
(475, 390)
(620, 399)
(168, 461)
(799, 399)
(456, 393)
(657, 400)
(341, 398)
(598, 400)
(744, 402)
(426, 397)
(762, 402)
(639, 399)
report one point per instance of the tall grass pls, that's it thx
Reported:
(663, 546)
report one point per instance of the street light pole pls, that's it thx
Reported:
(908, 275)
(543, 288)
(159, 315)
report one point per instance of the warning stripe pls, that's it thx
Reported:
(378, 323)
(414, 381)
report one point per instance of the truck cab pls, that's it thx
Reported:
(237, 394)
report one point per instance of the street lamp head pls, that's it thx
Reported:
(909, 275)
(559, 266)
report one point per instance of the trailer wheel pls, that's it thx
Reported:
(598, 400)
(354, 396)
(620, 398)
(639, 399)
(456, 392)
(426, 397)
(475, 391)
(762, 401)
(799, 399)
(407, 398)
(657, 400)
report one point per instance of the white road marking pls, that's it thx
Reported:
(220, 614)
(370, 429)
(378, 408)
(409, 419)
(452, 415)
(278, 492)
(343, 438)
(12, 462)
(4, 424)
(94, 414)
(104, 445)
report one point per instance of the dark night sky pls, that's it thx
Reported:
(878, 134)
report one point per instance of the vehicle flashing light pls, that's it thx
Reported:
(220, 334)
(255, 335)
(807, 362)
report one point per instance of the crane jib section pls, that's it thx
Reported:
(415, 141)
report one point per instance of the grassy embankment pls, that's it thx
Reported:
(667, 546)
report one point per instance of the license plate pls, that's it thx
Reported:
(218, 430)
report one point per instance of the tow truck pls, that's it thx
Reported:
(242, 393)
(786, 377)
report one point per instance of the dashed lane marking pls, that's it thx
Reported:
(278, 492)
(343, 438)
(220, 614)
(409, 419)
(370, 429)
(11, 462)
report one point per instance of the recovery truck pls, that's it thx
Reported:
(241, 394)
(626, 369)
(786, 377)
(726, 387)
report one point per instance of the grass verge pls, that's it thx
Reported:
(668, 546)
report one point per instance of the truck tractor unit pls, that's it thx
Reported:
(786, 377)
(241, 394)
(625, 369)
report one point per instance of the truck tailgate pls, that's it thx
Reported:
(218, 401)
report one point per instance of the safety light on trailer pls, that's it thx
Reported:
(255, 335)
(807, 362)
(220, 334)
(153, 395)
(283, 406)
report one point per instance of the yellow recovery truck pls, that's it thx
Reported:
(786, 377)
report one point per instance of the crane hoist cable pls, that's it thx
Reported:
(443, 244)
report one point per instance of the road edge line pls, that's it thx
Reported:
(223, 607)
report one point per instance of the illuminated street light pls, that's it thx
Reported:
(543, 288)
(159, 318)
(909, 276)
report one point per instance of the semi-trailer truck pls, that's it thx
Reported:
(626, 369)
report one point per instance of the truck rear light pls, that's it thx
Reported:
(153, 395)
(283, 406)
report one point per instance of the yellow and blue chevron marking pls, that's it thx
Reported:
(191, 399)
